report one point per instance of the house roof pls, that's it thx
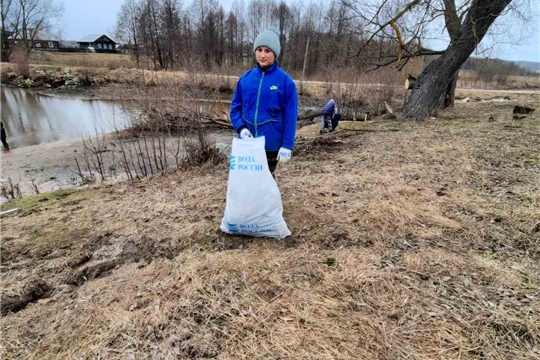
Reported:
(93, 37)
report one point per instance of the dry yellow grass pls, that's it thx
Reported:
(433, 227)
(470, 80)
(279, 303)
(95, 60)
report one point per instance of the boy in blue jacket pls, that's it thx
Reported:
(265, 102)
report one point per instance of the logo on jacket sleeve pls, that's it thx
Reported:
(273, 87)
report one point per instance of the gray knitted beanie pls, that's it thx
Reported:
(270, 39)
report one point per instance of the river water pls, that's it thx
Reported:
(33, 119)
(44, 134)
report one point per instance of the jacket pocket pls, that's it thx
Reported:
(248, 119)
(275, 113)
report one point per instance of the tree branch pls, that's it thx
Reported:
(394, 59)
(451, 19)
(394, 19)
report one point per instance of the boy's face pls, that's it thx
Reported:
(265, 57)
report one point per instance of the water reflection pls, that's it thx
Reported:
(32, 119)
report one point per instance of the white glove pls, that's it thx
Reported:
(284, 155)
(245, 133)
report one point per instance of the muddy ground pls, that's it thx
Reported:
(410, 240)
(52, 166)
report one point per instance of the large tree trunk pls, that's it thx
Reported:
(450, 95)
(434, 80)
(453, 26)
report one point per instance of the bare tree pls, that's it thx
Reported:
(30, 18)
(171, 31)
(256, 18)
(406, 26)
(5, 7)
(207, 15)
(231, 36)
(368, 34)
(152, 32)
(127, 27)
(434, 81)
(282, 15)
(238, 9)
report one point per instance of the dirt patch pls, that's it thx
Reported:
(115, 252)
(316, 147)
(14, 300)
(99, 258)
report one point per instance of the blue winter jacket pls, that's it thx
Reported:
(266, 103)
(329, 108)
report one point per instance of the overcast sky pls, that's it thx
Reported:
(83, 17)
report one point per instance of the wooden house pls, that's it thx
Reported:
(40, 45)
(46, 45)
(99, 43)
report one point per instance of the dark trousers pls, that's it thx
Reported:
(271, 156)
(326, 123)
(3, 138)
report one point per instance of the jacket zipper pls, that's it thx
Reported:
(257, 106)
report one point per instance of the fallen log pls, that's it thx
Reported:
(310, 115)
(356, 117)
(184, 117)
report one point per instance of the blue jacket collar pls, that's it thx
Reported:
(269, 69)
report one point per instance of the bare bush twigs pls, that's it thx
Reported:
(34, 186)
(9, 190)
(20, 57)
(168, 132)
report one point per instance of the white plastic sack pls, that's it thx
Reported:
(254, 205)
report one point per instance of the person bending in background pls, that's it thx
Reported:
(329, 111)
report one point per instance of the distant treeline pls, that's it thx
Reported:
(317, 37)
(205, 35)
(489, 68)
